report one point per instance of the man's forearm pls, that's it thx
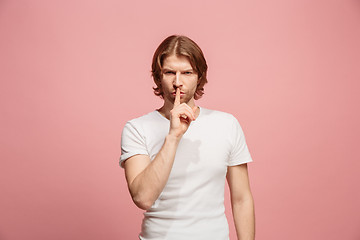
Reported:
(148, 185)
(244, 219)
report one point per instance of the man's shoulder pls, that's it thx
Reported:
(147, 116)
(217, 115)
(146, 119)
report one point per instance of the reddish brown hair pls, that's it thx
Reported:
(180, 46)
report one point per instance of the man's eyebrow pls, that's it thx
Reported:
(167, 69)
(170, 69)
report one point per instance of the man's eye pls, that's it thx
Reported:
(169, 72)
(188, 73)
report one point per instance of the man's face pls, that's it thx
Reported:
(178, 73)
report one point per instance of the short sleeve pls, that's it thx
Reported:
(239, 153)
(132, 143)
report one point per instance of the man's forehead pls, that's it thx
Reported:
(175, 62)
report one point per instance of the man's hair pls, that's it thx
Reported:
(180, 46)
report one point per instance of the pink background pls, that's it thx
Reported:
(73, 72)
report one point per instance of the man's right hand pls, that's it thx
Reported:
(147, 178)
(180, 117)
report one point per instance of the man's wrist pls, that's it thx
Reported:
(172, 138)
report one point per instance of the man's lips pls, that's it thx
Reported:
(181, 93)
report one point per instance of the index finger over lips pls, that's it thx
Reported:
(177, 98)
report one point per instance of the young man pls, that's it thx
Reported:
(176, 158)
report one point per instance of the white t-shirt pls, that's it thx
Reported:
(191, 206)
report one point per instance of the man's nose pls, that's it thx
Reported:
(177, 80)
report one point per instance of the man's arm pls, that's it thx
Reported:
(241, 201)
(146, 179)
